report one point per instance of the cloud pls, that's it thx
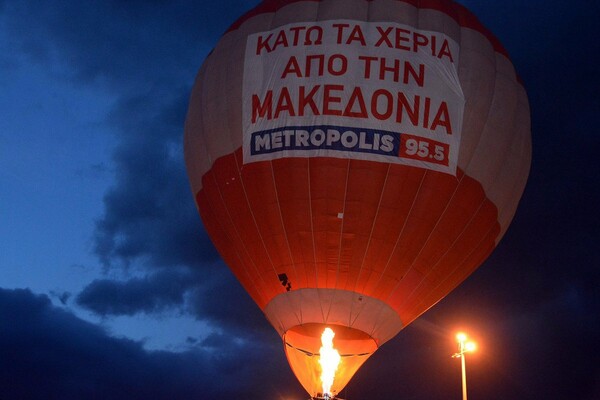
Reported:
(215, 298)
(226, 304)
(125, 44)
(48, 353)
(152, 294)
(63, 297)
(149, 212)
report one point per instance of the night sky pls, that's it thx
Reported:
(111, 289)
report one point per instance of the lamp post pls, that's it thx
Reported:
(463, 347)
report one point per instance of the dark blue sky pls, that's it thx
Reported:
(109, 287)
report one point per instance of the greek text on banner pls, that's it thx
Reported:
(375, 91)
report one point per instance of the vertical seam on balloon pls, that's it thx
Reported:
(496, 180)
(505, 150)
(402, 230)
(378, 322)
(341, 241)
(241, 241)
(342, 224)
(371, 234)
(298, 317)
(515, 187)
(489, 105)
(312, 228)
(517, 184)
(318, 18)
(287, 242)
(352, 320)
(229, 120)
(252, 214)
(204, 123)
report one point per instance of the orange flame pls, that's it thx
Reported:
(329, 360)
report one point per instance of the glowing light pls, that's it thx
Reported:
(464, 345)
(329, 360)
(470, 346)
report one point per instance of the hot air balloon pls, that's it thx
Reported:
(354, 161)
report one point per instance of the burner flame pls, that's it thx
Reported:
(329, 360)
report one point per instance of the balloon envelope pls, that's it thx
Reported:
(354, 161)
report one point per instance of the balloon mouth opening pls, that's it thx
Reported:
(303, 343)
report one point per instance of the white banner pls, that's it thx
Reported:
(376, 91)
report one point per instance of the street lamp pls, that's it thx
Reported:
(463, 347)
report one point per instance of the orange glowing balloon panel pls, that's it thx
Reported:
(354, 161)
